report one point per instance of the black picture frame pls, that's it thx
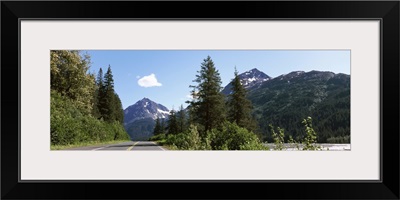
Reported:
(386, 11)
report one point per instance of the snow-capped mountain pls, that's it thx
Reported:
(143, 109)
(249, 79)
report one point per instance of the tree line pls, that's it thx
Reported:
(83, 109)
(211, 121)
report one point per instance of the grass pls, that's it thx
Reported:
(84, 144)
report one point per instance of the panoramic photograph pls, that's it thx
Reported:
(207, 100)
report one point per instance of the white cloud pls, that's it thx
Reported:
(149, 81)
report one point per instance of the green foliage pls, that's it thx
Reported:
(109, 104)
(181, 119)
(311, 136)
(157, 127)
(158, 137)
(172, 123)
(207, 106)
(118, 111)
(232, 137)
(141, 129)
(189, 140)
(293, 143)
(69, 77)
(76, 102)
(239, 107)
(285, 101)
(278, 137)
(339, 140)
(229, 137)
(162, 126)
(68, 125)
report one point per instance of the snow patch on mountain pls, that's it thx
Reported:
(249, 79)
(143, 109)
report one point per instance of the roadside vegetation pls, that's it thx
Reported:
(85, 144)
(84, 111)
(214, 122)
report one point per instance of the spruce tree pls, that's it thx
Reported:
(118, 110)
(181, 118)
(239, 107)
(172, 123)
(109, 96)
(157, 127)
(208, 102)
(162, 131)
(101, 101)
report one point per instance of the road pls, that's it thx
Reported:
(125, 146)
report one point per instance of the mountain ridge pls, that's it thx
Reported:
(139, 118)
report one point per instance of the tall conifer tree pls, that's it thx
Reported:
(172, 123)
(239, 107)
(181, 118)
(157, 127)
(208, 102)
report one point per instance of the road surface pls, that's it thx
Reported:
(125, 146)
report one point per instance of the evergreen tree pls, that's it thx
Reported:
(101, 101)
(208, 102)
(109, 96)
(162, 131)
(181, 118)
(157, 127)
(172, 123)
(118, 110)
(99, 94)
(239, 107)
(109, 104)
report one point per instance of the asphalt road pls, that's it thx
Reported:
(125, 146)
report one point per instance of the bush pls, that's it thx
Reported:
(69, 126)
(158, 137)
(278, 137)
(233, 137)
(229, 137)
(189, 140)
(311, 136)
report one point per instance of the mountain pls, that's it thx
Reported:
(286, 100)
(249, 79)
(139, 118)
(143, 109)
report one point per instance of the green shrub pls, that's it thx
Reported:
(229, 137)
(278, 137)
(233, 137)
(311, 136)
(189, 140)
(69, 126)
(158, 137)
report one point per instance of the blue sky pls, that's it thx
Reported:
(164, 76)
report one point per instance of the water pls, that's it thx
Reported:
(324, 146)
